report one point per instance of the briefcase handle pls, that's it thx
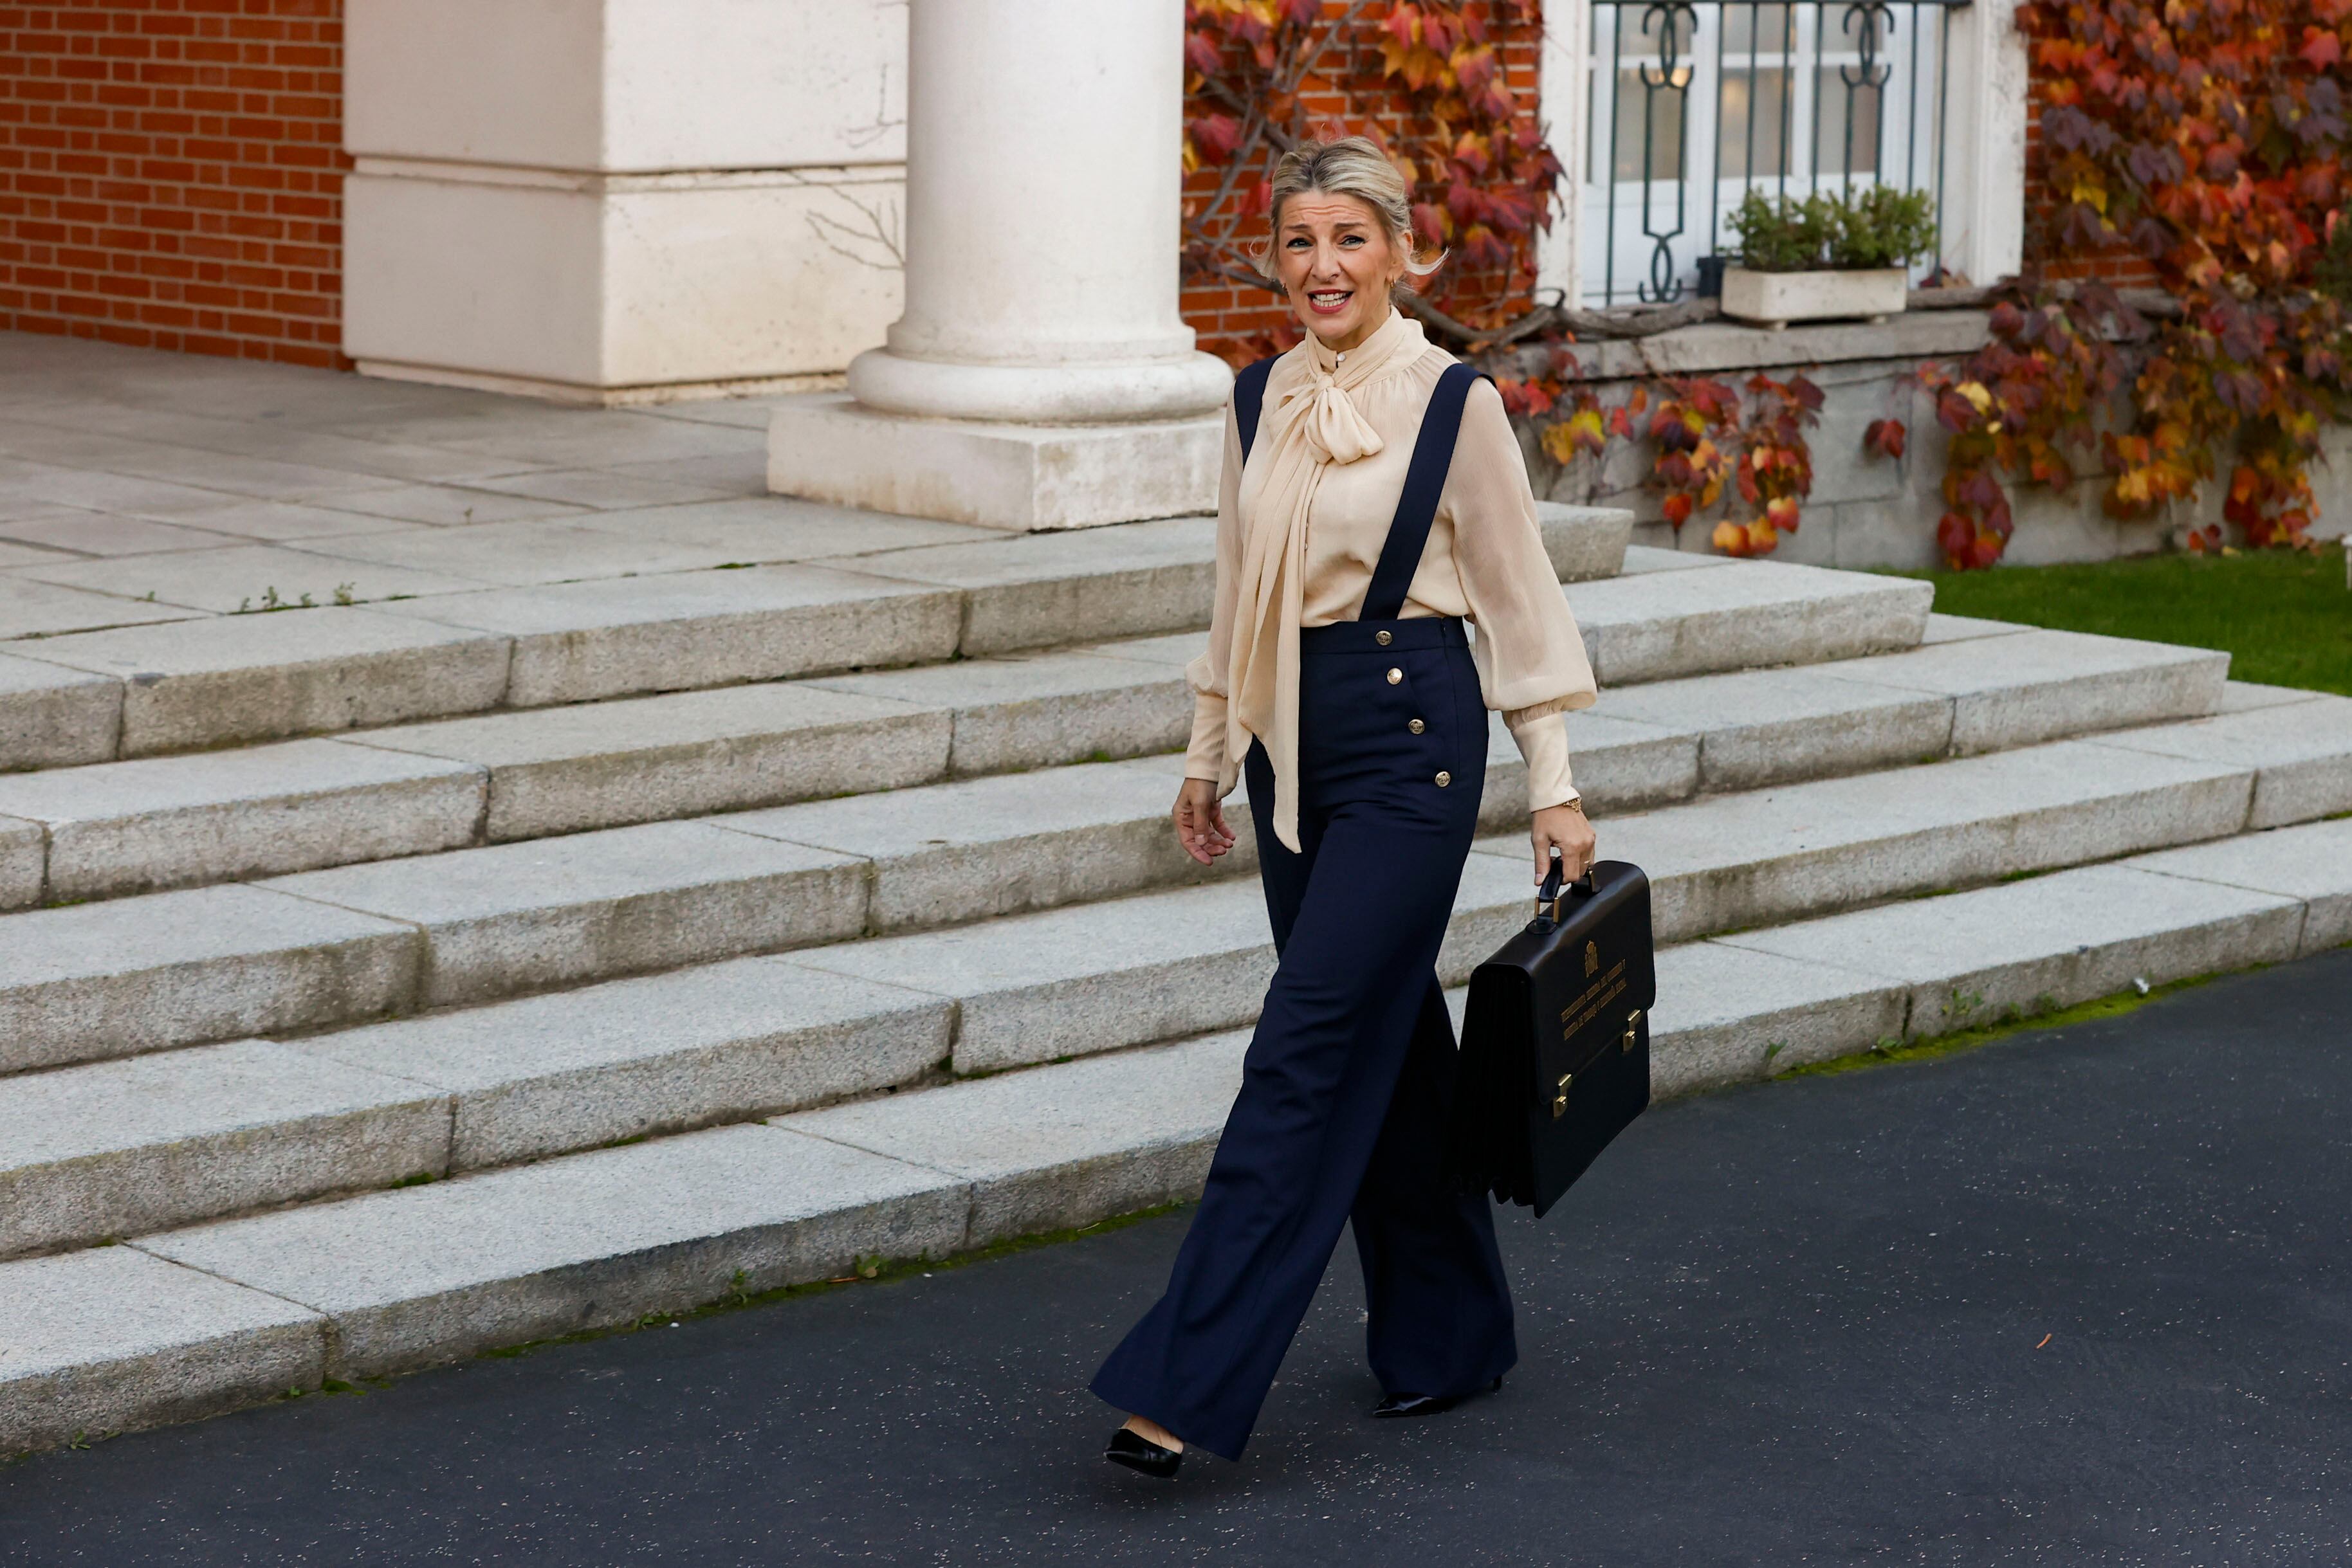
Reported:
(1547, 895)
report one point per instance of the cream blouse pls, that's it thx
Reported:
(1299, 530)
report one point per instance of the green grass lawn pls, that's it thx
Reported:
(2284, 617)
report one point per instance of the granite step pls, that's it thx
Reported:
(710, 1042)
(1090, 978)
(115, 1148)
(129, 827)
(206, 681)
(111, 978)
(1656, 624)
(183, 1321)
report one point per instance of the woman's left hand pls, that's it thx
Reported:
(1564, 828)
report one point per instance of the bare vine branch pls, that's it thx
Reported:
(848, 241)
(1584, 324)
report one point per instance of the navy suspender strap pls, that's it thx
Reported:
(1249, 397)
(1424, 481)
(1424, 478)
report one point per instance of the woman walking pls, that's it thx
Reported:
(1357, 532)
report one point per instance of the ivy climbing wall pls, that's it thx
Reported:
(2116, 264)
(1360, 85)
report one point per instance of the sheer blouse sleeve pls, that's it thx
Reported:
(1531, 659)
(1205, 756)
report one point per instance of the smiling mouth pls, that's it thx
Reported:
(1330, 298)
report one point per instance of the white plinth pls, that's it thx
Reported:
(1183, 386)
(1022, 478)
(617, 201)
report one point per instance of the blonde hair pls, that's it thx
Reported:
(1345, 166)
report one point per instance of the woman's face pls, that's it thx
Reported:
(1337, 263)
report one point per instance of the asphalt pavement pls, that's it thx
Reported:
(2079, 1296)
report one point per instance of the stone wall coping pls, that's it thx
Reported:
(1728, 346)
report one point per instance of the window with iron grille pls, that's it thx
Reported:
(1692, 106)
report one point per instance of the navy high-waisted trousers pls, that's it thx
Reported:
(1342, 1105)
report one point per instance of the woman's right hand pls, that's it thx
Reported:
(1201, 820)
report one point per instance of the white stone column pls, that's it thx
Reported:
(1984, 143)
(1564, 84)
(1041, 376)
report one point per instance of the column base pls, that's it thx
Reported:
(1082, 393)
(1026, 479)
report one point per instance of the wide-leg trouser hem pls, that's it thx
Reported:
(1343, 1087)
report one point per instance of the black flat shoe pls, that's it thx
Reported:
(1142, 1455)
(1397, 1406)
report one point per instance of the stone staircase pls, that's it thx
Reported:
(383, 983)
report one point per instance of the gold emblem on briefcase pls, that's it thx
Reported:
(1591, 958)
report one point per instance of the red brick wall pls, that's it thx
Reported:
(2117, 264)
(171, 174)
(1242, 322)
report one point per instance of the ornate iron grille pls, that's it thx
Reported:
(1691, 106)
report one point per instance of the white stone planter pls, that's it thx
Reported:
(1776, 298)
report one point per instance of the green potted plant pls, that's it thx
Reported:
(1818, 257)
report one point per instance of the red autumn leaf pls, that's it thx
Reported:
(1885, 437)
(1474, 68)
(1509, 210)
(1215, 136)
(1953, 535)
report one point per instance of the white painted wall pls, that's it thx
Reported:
(511, 82)
(725, 282)
(748, 84)
(474, 280)
(603, 199)
(1562, 85)
(1984, 143)
(628, 86)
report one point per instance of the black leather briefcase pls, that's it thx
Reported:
(1556, 1045)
